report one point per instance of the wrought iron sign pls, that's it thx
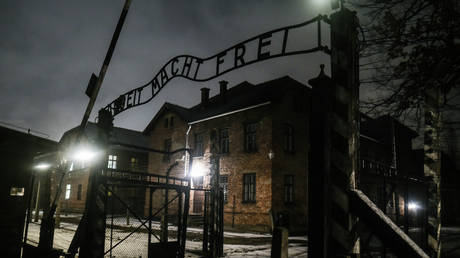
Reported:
(276, 43)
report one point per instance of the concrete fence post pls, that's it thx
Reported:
(280, 243)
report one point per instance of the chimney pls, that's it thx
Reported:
(223, 90)
(204, 96)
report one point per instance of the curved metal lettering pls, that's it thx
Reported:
(204, 69)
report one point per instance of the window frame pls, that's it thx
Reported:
(249, 188)
(250, 136)
(199, 152)
(112, 161)
(224, 185)
(224, 140)
(79, 191)
(289, 194)
(68, 189)
(167, 148)
(288, 138)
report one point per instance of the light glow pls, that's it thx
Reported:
(413, 206)
(84, 155)
(197, 170)
(42, 166)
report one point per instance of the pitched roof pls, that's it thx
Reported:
(240, 96)
(118, 134)
(182, 112)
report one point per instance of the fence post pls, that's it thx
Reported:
(280, 243)
(432, 169)
(205, 223)
(93, 238)
(335, 139)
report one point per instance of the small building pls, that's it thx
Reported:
(389, 173)
(17, 150)
(118, 157)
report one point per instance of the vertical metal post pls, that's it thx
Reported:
(106, 63)
(111, 221)
(220, 224)
(37, 202)
(183, 239)
(233, 211)
(150, 221)
(29, 204)
(205, 223)
(184, 223)
(93, 239)
(164, 225)
(179, 217)
(406, 207)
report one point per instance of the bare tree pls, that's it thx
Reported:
(408, 47)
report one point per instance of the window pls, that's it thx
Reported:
(17, 191)
(134, 164)
(288, 138)
(79, 192)
(67, 191)
(249, 187)
(112, 163)
(199, 144)
(223, 183)
(223, 140)
(166, 123)
(171, 122)
(250, 137)
(197, 181)
(167, 148)
(288, 189)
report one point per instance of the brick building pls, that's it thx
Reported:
(262, 133)
(75, 184)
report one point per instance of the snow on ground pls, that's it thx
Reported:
(135, 245)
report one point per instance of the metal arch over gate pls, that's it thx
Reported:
(190, 67)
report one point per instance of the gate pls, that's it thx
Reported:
(134, 229)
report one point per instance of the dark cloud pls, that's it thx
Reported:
(49, 49)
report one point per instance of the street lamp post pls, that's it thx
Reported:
(40, 167)
(37, 208)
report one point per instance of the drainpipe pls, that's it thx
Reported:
(187, 154)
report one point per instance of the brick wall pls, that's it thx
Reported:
(157, 165)
(292, 110)
(239, 162)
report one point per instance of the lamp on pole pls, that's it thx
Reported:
(41, 167)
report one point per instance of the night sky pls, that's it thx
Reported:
(48, 50)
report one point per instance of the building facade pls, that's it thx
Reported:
(75, 184)
(261, 134)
